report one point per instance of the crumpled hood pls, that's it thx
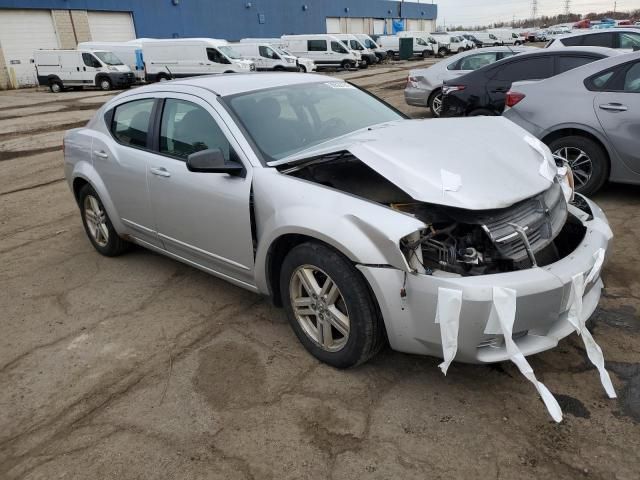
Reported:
(474, 163)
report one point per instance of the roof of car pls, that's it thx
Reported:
(234, 83)
(597, 30)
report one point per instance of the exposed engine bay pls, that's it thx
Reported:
(534, 232)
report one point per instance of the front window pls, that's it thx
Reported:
(338, 47)
(370, 43)
(108, 58)
(421, 41)
(285, 120)
(355, 45)
(492, 36)
(230, 52)
(267, 52)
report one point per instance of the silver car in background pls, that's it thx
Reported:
(355, 219)
(424, 85)
(589, 116)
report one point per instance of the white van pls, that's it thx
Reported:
(129, 52)
(266, 57)
(188, 57)
(325, 50)
(368, 42)
(304, 64)
(437, 47)
(507, 37)
(60, 69)
(487, 39)
(391, 45)
(354, 44)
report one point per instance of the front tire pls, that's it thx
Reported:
(329, 306)
(587, 159)
(105, 84)
(302, 69)
(97, 224)
(55, 86)
(442, 52)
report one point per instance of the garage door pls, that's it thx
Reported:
(22, 32)
(414, 25)
(111, 26)
(356, 25)
(333, 25)
(378, 26)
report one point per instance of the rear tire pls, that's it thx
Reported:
(97, 224)
(588, 160)
(426, 54)
(435, 103)
(364, 63)
(391, 54)
(163, 77)
(361, 334)
(481, 112)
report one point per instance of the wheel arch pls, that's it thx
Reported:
(567, 131)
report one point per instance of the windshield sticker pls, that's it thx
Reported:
(340, 85)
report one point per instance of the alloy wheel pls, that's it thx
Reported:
(319, 307)
(96, 220)
(436, 105)
(580, 163)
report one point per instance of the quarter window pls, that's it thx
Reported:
(632, 79)
(566, 63)
(629, 40)
(530, 69)
(187, 128)
(604, 39)
(599, 82)
(130, 124)
(317, 45)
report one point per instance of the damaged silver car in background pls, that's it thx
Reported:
(365, 226)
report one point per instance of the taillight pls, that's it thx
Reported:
(447, 89)
(513, 98)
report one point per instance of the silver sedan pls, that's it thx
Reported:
(589, 116)
(365, 226)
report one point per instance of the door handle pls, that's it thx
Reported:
(160, 171)
(614, 107)
(500, 90)
(100, 153)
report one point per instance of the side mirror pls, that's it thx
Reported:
(212, 161)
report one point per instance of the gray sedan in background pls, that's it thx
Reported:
(589, 116)
(424, 85)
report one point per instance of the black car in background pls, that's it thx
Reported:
(483, 91)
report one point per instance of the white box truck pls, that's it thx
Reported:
(129, 52)
(266, 57)
(188, 57)
(62, 69)
(325, 50)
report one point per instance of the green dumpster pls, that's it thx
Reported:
(406, 48)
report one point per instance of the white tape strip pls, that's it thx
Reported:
(448, 316)
(603, 227)
(451, 182)
(504, 304)
(575, 317)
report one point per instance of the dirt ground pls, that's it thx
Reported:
(142, 367)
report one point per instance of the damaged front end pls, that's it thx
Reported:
(534, 232)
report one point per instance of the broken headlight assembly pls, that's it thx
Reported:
(534, 232)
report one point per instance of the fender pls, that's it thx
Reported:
(363, 231)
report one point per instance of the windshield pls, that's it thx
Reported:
(230, 52)
(108, 58)
(355, 45)
(285, 120)
(370, 43)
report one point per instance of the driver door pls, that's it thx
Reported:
(90, 67)
(203, 218)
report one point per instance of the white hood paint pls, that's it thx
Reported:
(496, 166)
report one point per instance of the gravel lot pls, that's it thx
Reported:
(141, 367)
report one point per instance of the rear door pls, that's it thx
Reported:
(535, 67)
(566, 62)
(121, 159)
(617, 107)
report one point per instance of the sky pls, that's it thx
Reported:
(483, 12)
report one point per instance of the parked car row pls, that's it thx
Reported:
(581, 101)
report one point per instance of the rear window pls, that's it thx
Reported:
(130, 124)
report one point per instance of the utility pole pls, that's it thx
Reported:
(567, 7)
(534, 9)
